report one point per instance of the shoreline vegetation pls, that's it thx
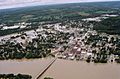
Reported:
(48, 78)
(18, 76)
(88, 60)
(12, 76)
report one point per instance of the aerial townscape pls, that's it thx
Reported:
(76, 32)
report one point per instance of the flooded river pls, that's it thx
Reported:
(62, 69)
(31, 67)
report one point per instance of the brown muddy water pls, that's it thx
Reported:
(62, 69)
(31, 67)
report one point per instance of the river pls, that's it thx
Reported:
(62, 69)
(31, 67)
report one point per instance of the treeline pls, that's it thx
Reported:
(10, 31)
(56, 12)
(12, 76)
(48, 78)
(110, 25)
(15, 51)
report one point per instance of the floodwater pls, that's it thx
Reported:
(61, 69)
(31, 67)
(65, 69)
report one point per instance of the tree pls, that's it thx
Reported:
(48, 78)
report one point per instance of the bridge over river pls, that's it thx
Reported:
(38, 76)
